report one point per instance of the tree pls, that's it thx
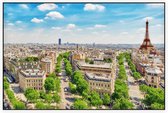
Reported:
(107, 60)
(87, 60)
(6, 85)
(122, 104)
(136, 75)
(56, 98)
(106, 99)
(19, 105)
(31, 94)
(154, 97)
(52, 75)
(48, 98)
(42, 94)
(157, 106)
(121, 90)
(72, 87)
(80, 104)
(57, 84)
(91, 62)
(49, 84)
(95, 99)
(82, 85)
(40, 105)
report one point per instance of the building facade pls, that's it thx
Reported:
(152, 77)
(32, 78)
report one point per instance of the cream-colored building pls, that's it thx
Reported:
(152, 76)
(101, 83)
(99, 76)
(47, 65)
(32, 78)
(78, 56)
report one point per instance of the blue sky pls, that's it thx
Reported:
(82, 23)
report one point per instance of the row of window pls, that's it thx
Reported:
(34, 80)
(100, 84)
(29, 85)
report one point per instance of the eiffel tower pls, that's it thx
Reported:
(147, 45)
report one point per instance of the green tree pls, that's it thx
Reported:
(136, 75)
(42, 94)
(49, 84)
(122, 104)
(154, 97)
(95, 99)
(80, 104)
(56, 98)
(87, 60)
(106, 99)
(57, 84)
(31, 94)
(91, 62)
(121, 90)
(19, 105)
(40, 105)
(48, 98)
(157, 106)
(6, 85)
(72, 87)
(82, 85)
(52, 75)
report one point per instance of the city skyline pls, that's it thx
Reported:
(83, 23)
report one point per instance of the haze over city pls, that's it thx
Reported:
(83, 23)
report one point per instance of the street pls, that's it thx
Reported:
(135, 94)
(66, 96)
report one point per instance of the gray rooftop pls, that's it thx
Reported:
(98, 76)
(105, 65)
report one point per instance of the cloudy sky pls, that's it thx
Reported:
(83, 23)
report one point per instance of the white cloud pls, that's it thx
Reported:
(56, 28)
(147, 18)
(124, 33)
(99, 26)
(95, 32)
(90, 28)
(71, 26)
(24, 6)
(155, 5)
(18, 22)
(93, 7)
(49, 6)
(10, 24)
(54, 15)
(140, 30)
(36, 20)
(79, 29)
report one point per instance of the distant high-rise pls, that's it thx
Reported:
(59, 41)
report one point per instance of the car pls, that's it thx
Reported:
(65, 89)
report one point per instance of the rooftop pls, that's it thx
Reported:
(153, 70)
(46, 59)
(33, 72)
(104, 65)
(98, 76)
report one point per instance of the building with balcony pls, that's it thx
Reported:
(32, 78)
(99, 82)
(152, 76)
